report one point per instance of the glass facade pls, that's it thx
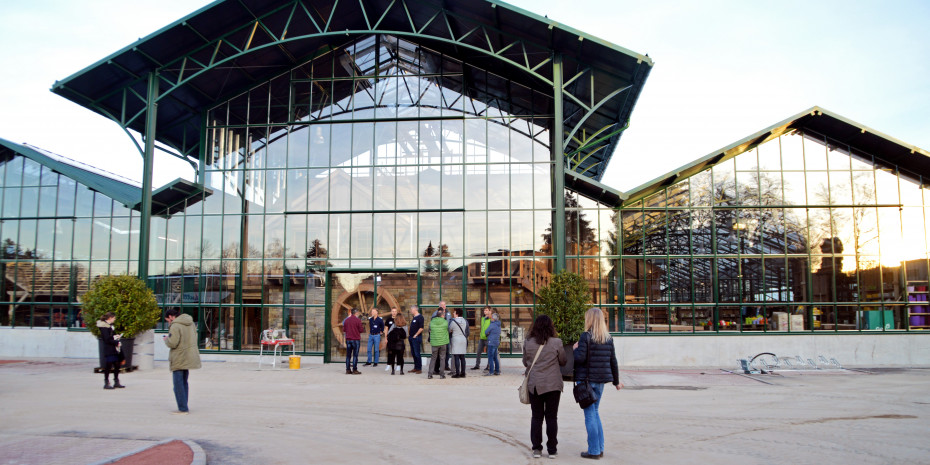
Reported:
(385, 174)
(57, 236)
(798, 234)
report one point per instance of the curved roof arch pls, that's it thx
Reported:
(228, 46)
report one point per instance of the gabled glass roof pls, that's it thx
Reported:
(167, 200)
(842, 134)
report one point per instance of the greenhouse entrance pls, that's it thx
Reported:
(381, 289)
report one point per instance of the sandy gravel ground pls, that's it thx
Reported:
(55, 411)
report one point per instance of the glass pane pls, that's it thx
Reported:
(385, 188)
(521, 186)
(499, 180)
(476, 184)
(452, 186)
(362, 188)
(815, 152)
(792, 151)
(770, 156)
(429, 188)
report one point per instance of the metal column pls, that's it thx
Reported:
(148, 156)
(558, 170)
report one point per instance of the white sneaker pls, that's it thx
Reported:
(537, 454)
(178, 412)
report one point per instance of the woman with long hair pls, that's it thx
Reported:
(596, 363)
(395, 342)
(544, 382)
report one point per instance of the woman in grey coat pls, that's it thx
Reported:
(544, 383)
(458, 343)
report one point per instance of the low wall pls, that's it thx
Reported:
(57, 343)
(854, 349)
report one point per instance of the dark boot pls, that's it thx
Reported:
(116, 384)
(392, 370)
(107, 385)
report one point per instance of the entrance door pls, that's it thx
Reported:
(364, 290)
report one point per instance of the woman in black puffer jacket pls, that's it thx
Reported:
(596, 363)
(111, 348)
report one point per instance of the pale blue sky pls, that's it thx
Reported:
(724, 70)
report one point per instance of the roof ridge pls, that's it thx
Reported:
(86, 167)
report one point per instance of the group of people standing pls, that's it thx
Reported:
(595, 363)
(447, 334)
(595, 359)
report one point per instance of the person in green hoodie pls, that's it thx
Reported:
(483, 338)
(183, 356)
(439, 340)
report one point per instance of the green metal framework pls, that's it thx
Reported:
(155, 79)
(588, 88)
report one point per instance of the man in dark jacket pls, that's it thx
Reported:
(183, 354)
(352, 328)
(416, 338)
(375, 331)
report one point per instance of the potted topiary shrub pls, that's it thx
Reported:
(565, 300)
(133, 303)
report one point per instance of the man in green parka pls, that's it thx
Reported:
(183, 354)
(439, 341)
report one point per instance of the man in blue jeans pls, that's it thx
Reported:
(183, 354)
(416, 338)
(375, 329)
(352, 328)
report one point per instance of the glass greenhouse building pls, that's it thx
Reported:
(398, 156)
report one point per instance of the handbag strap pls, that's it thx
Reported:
(534, 361)
(460, 327)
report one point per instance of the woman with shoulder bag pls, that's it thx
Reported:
(596, 364)
(458, 330)
(544, 382)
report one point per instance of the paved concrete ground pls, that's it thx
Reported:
(54, 411)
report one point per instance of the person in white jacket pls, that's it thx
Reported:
(458, 344)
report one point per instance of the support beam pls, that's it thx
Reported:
(148, 158)
(558, 170)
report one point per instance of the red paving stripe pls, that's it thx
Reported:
(3, 362)
(169, 453)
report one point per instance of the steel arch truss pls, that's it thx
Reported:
(299, 30)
